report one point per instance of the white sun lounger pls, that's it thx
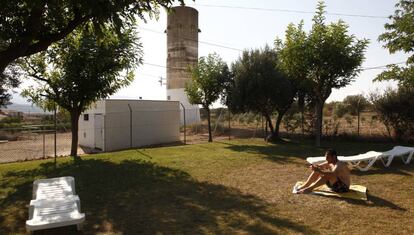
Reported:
(397, 151)
(54, 187)
(356, 160)
(371, 157)
(53, 213)
(54, 204)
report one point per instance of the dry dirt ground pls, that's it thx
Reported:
(35, 147)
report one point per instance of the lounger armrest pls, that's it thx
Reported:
(31, 210)
(35, 187)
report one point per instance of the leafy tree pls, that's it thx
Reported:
(396, 110)
(289, 50)
(207, 83)
(400, 37)
(259, 86)
(81, 69)
(8, 81)
(333, 59)
(339, 109)
(355, 105)
(31, 26)
(292, 119)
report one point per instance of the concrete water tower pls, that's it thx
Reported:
(182, 52)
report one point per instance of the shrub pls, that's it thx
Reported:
(396, 111)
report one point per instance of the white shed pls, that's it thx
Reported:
(121, 124)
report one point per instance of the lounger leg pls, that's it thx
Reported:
(78, 204)
(80, 226)
(370, 163)
(386, 160)
(31, 211)
(410, 155)
(354, 164)
(390, 158)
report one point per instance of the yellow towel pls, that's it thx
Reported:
(356, 192)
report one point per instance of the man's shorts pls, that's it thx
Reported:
(338, 186)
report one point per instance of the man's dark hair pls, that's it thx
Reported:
(332, 152)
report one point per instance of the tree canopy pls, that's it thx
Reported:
(400, 37)
(31, 26)
(329, 58)
(207, 82)
(81, 69)
(355, 104)
(396, 110)
(259, 86)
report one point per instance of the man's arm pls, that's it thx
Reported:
(326, 172)
(323, 165)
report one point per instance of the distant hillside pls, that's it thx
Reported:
(25, 108)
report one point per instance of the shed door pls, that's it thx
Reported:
(99, 131)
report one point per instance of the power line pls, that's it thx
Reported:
(148, 75)
(155, 65)
(382, 66)
(363, 69)
(367, 68)
(290, 11)
(163, 66)
(198, 41)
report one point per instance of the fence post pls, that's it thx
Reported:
(185, 126)
(229, 123)
(44, 141)
(55, 134)
(130, 126)
(263, 127)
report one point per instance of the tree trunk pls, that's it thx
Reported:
(301, 104)
(269, 122)
(278, 121)
(318, 124)
(302, 121)
(210, 137)
(271, 136)
(74, 119)
(4, 62)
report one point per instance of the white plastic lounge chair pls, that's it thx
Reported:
(397, 151)
(369, 157)
(54, 187)
(53, 213)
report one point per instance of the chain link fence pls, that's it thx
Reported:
(42, 139)
(33, 137)
(226, 125)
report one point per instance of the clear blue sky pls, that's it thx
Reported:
(249, 28)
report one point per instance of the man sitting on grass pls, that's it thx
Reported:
(335, 174)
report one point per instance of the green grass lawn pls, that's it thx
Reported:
(234, 187)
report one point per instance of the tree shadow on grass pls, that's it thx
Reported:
(282, 152)
(397, 168)
(139, 197)
(375, 201)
